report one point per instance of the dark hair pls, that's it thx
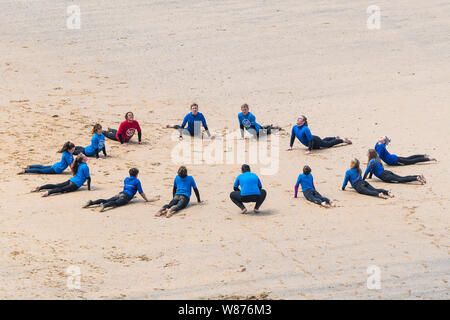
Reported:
(96, 127)
(126, 114)
(245, 168)
(76, 163)
(67, 146)
(305, 119)
(306, 170)
(182, 172)
(194, 105)
(133, 172)
(373, 155)
(245, 106)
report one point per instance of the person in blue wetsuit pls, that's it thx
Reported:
(194, 120)
(182, 186)
(66, 160)
(309, 190)
(248, 122)
(80, 171)
(97, 144)
(393, 159)
(375, 167)
(303, 134)
(131, 185)
(353, 175)
(251, 190)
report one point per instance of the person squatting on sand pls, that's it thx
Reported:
(80, 171)
(131, 185)
(248, 122)
(393, 159)
(126, 130)
(194, 120)
(375, 167)
(97, 143)
(303, 134)
(361, 186)
(309, 190)
(181, 193)
(251, 190)
(66, 160)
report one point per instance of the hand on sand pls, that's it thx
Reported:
(180, 138)
(289, 149)
(308, 152)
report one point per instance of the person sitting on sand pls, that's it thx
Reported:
(393, 159)
(194, 121)
(130, 187)
(248, 122)
(361, 186)
(309, 190)
(251, 190)
(181, 193)
(80, 171)
(66, 160)
(97, 144)
(126, 130)
(303, 134)
(375, 167)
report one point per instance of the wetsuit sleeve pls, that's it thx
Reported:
(139, 188)
(309, 137)
(174, 190)
(197, 194)
(104, 151)
(89, 183)
(292, 137)
(139, 136)
(259, 184)
(295, 191)
(347, 177)
(185, 120)
(96, 153)
(368, 170)
(138, 127)
(205, 126)
(242, 130)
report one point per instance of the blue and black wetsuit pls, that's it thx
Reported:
(308, 189)
(97, 145)
(248, 122)
(394, 160)
(303, 134)
(130, 187)
(251, 190)
(194, 123)
(361, 186)
(59, 167)
(375, 167)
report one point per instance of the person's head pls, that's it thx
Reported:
(245, 168)
(302, 120)
(68, 146)
(81, 158)
(354, 164)
(372, 154)
(306, 170)
(133, 172)
(244, 109)
(182, 172)
(194, 108)
(384, 140)
(97, 129)
(129, 116)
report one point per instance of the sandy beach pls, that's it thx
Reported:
(284, 58)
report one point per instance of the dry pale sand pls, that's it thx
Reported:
(284, 58)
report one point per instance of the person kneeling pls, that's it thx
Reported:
(251, 190)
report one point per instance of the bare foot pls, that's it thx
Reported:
(325, 205)
(332, 204)
(337, 137)
(45, 194)
(102, 208)
(87, 204)
(382, 195)
(21, 172)
(422, 177)
(347, 141)
(160, 212)
(256, 211)
(35, 189)
(390, 194)
(244, 211)
(432, 159)
(170, 213)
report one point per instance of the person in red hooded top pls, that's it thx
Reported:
(126, 130)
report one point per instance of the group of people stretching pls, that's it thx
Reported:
(247, 186)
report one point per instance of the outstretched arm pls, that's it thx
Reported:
(197, 194)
